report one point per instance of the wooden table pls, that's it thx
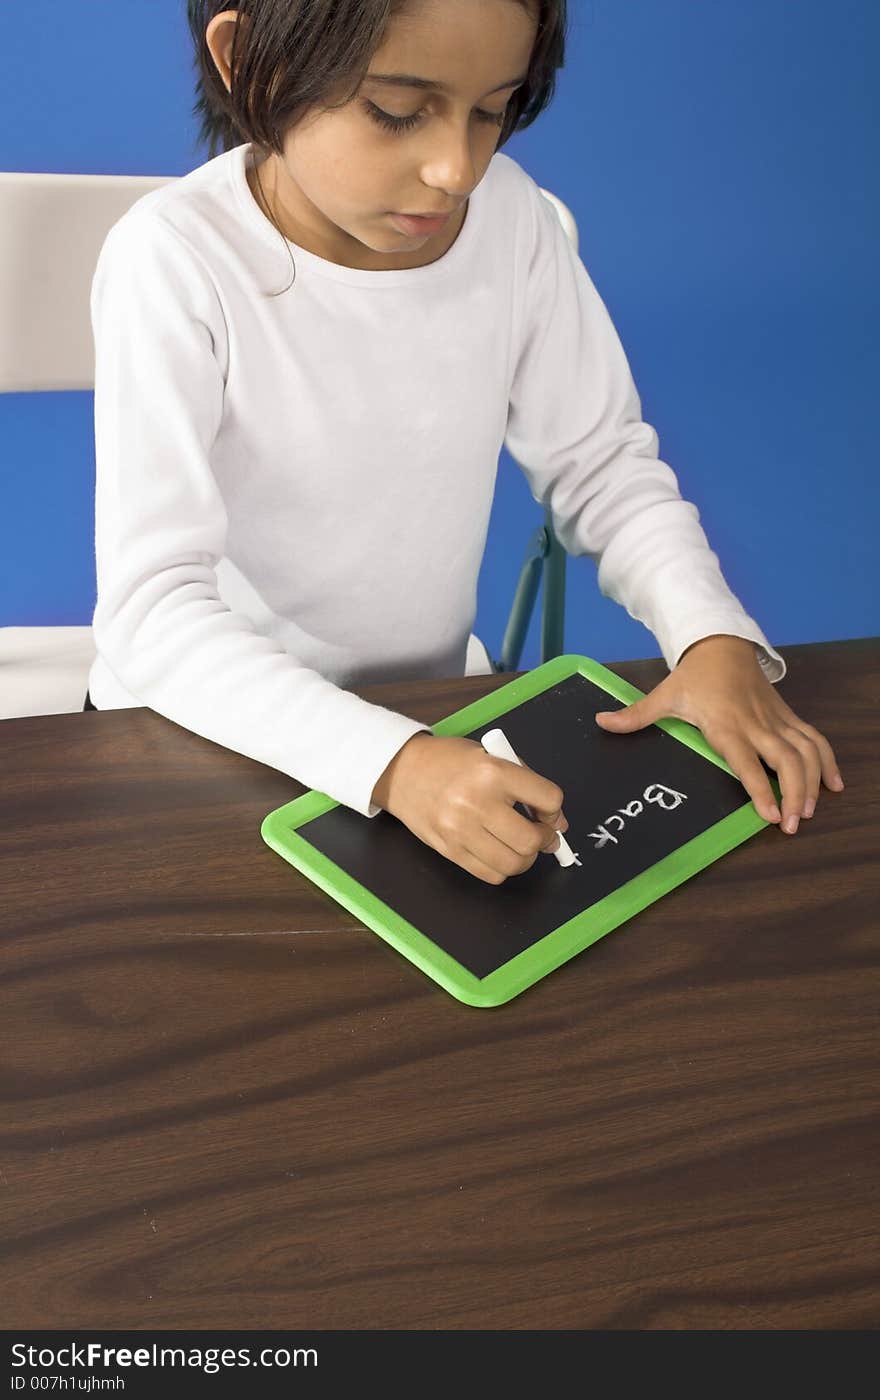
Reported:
(227, 1104)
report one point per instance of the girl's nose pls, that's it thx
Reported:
(450, 164)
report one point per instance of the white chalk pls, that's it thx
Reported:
(497, 743)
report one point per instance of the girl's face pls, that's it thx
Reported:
(397, 148)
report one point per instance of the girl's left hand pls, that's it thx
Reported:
(718, 685)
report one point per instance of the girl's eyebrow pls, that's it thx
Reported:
(408, 80)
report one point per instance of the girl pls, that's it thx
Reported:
(309, 353)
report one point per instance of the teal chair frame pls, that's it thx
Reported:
(544, 562)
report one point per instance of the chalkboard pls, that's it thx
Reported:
(646, 811)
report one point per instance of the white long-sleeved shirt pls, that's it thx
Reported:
(293, 492)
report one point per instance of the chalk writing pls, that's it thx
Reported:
(655, 794)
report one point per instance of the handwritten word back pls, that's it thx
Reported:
(656, 795)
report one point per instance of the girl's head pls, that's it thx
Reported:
(295, 78)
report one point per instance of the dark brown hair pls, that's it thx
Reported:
(293, 54)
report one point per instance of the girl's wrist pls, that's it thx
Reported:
(381, 794)
(725, 641)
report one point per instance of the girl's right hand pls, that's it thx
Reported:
(458, 798)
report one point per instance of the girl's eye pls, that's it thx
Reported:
(392, 123)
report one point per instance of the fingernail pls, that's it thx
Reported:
(809, 807)
(775, 814)
(791, 825)
(837, 783)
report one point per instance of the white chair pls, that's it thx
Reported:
(52, 228)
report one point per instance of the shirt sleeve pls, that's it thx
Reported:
(161, 350)
(575, 428)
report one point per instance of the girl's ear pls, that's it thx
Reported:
(219, 36)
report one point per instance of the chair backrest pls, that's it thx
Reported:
(566, 218)
(52, 228)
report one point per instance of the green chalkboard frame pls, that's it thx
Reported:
(280, 831)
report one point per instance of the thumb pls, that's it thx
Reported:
(631, 717)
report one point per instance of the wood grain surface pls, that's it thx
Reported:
(227, 1104)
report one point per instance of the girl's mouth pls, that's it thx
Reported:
(415, 226)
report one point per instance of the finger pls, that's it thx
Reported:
(524, 785)
(791, 772)
(557, 820)
(812, 765)
(745, 763)
(525, 838)
(474, 866)
(509, 842)
(452, 850)
(827, 761)
(660, 703)
(485, 848)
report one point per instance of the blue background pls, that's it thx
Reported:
(719, 158)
